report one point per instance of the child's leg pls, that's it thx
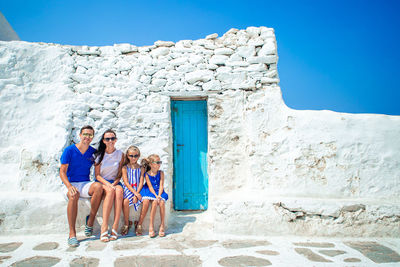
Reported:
(145, 207)
(119, 194)
(125, 210)
(162, 214)
(152, 215)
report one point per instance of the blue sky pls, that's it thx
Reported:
(338, 55)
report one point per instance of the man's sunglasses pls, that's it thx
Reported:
(88, 135)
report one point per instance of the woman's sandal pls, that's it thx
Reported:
(152, 234)
(139, 230)
(124, 230)
(104, 237)
(114, 235)
(161, 232)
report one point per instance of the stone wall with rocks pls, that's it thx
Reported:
(272, 170)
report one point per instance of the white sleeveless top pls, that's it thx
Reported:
(110, 164)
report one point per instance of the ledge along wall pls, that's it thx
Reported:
(272, 170)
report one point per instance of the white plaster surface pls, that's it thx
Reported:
(272, 170)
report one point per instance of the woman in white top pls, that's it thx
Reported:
(108, 165)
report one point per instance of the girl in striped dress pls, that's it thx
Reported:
(132, 175)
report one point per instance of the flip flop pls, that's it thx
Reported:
(152, 234)
(73, 242)
(88, 229)
(161, 232)
(139, 230)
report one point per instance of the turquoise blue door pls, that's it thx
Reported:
(189, 124)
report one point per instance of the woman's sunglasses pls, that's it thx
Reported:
(108, 139)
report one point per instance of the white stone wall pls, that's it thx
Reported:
(272, 170)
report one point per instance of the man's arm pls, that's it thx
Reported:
(63, 174)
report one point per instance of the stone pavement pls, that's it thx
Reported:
(181, 249)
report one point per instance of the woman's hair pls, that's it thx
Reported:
(131, 148)
(101, 150)
(146, 162)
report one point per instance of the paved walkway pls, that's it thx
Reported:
(180, 249)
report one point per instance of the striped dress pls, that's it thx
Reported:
(134, 180)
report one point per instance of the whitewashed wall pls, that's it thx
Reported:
(272, 170)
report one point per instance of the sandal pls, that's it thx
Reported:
(124, 230)
(139, 230)
(161, 232)
(73, 242)
(152, 234)
(114, 235)
(104, 237)
(88, 229)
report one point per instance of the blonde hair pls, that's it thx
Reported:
(131, 148)
(146, 161)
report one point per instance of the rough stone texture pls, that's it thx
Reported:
(331, 253)
(2, 258)
(315, 245)
(243, 261)
(158, 261)
(375, 252)
(37, 261)
(268, 252)
(96, 245)
(83, 261)
(235, 244)
(9, 247)
(351, 260)
(46, 246)
(309, 254)
(297, 172)
(200, 243)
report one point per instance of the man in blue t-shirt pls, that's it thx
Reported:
(76, 161)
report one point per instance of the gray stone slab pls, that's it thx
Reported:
(96, 245)
(200, 243)
(71, 249)
(268, 252)
(8, 247)
(234, 244)
(2, 258)
(158, 261)
(84, 262)
(37, 261)
(171, 244)
(331, 252)
(351, 260)
(131, 238)
(46, 246)
(315, 244)
(243, 261)
(127, 246)
(375, 251)
(310, 255)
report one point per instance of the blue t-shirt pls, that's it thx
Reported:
(78, 165)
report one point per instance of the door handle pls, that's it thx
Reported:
(179, 145)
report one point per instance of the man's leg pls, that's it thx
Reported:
(72, 211)
(96, 193)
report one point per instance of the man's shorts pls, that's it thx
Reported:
(83, 189)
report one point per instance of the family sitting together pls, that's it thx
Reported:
(140, 184)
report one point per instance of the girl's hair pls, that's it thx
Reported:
(131, 148)
(146, 162)
(102, 147)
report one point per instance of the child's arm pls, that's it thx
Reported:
(118, 178)
(161, 185)
(126, 182)
(149, 184)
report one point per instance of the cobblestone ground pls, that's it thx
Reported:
(180, 249)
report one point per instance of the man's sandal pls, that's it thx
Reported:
(88, 229)
(124, 230)
(104, 237)
(114, 235)
(73, 242)
(139, 230)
